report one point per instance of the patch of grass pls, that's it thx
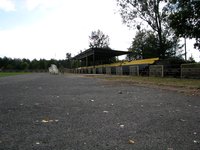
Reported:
(5, 74)
(174, 82)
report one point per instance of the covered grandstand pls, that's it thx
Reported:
(98, 56)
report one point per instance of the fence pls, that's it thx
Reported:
(184, 71)
(190, 71)
(156, 70)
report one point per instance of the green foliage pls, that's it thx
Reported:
(25, 64)
(191, 60)
(185, 19)
(146, 45)
(98, 40)
(68, 60)
(68, 56)
(173, 62)
(151, 12)
(192, 65)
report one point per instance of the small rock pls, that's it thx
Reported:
(142, 106)
(121, 126)
(92, 100)
(131, 142)
(36, 104)
(119, 92)
(57, 96)
(195, 141)
(182, 120)
(37, 143)
(0, 142)
(44, 121)
(21, 104)
(105, 111)
(56, 120)
(195, 133)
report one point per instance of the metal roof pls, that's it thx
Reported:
(100, 53)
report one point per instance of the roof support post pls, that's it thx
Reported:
(93, 59)
(86, 61)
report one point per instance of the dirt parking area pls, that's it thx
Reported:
(72, 112)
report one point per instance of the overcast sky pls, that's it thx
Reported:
(51, 28)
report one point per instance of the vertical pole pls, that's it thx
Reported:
(70, 62)
(93, 59)
(185, 49)
(86, 61)
(162, 69)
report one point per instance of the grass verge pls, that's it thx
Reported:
(5, 74)
(173, 82)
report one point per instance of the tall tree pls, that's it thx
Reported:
(146, 45)
(185, 19)
(98, 39)
(68, 60)
(68, 56)
(151, 12)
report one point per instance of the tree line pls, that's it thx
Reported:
(26, 64)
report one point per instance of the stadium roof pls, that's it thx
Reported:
(96, 56)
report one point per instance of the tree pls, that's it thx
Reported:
(68, 56)
(185, 19)
(146, 45)
(34, 65)
(191, 60)
(98, 40)
(151, 12)
(68, 60)
(43, 64)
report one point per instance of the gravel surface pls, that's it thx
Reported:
(73, 112)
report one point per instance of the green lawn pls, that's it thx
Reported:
(5, 74)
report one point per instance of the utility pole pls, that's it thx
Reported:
(185, 49)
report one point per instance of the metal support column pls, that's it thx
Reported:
(93, 59)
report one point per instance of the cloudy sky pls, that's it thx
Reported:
(51, 28)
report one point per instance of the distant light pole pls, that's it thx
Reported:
(185, 49)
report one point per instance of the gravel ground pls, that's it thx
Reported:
(73, 112)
